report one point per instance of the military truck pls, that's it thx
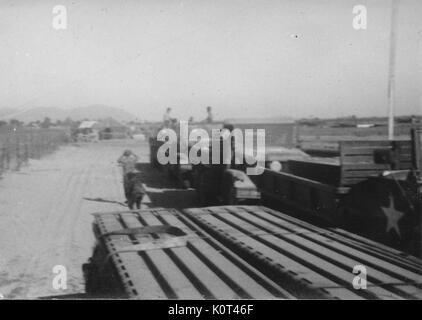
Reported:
(180, 172)
(372, 189)
(214, 183)
(218, 184)
(254, 252)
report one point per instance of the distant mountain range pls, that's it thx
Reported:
(80, 113)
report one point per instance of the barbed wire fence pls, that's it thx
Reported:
(19, 145)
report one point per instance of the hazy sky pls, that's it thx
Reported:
(243, 58)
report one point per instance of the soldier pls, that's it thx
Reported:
(209, 118)
(167, 118)
(128, 162)
(135, 190)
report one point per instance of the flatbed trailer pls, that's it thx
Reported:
(233, 252)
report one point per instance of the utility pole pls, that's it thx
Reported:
(391, 71)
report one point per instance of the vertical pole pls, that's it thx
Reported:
(391, 71)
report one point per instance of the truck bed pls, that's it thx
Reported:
(250, 252)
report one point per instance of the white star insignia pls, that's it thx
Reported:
(393, 216)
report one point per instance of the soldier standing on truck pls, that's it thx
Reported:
(167, 118)
(210, 117)
(128, 162)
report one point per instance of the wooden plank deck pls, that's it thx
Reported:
(249, 252)
(201, 269)
(328, 254)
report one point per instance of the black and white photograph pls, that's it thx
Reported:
(208, 150)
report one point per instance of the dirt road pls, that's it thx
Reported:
(45, 220)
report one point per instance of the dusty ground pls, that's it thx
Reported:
(45, 220)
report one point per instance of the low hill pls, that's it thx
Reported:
(79, 113)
